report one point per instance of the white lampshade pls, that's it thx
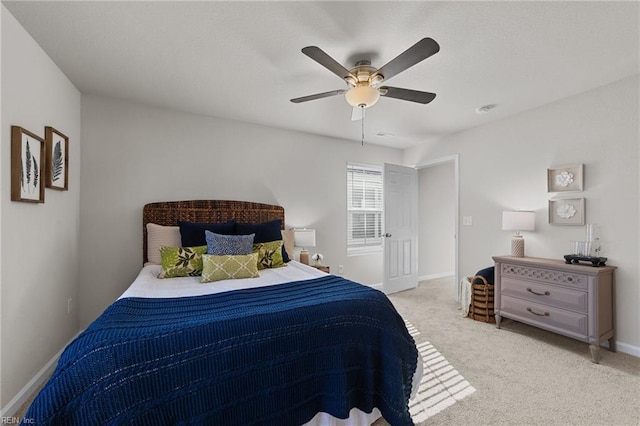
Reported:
(365, 96)
(305, 237)
(518, 221)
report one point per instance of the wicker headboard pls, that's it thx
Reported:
(168, 213)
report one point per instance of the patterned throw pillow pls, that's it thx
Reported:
(181, 261)
(222, 245)
(269, 254)
(216, 268)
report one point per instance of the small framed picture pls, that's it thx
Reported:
(57, 149)
(565, 178)
(567, 211)
(27, 166)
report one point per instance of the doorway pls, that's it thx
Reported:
(438, 207)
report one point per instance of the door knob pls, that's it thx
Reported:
(387, 235)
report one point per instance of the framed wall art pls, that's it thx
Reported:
(57, 152)
(567, 211)
(27, 166)
(565, 178)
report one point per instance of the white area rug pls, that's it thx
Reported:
(441, 385)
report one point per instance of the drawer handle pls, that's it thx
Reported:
(546, 293)
(546, 314)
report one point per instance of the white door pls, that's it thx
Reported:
(400, 228)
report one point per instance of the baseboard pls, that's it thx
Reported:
(25, 393)
(436, 276)
(628, 349)
(380, 287)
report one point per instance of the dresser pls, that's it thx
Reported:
(569, 299)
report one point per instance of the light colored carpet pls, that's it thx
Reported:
(522, 375)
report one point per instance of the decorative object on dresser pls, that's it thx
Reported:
(588, 250)
(304, 238)
(27, 166)
(57, 153)
(573, 300)
(317, 259)
(566, 211)
(565, 178)
(518, 221)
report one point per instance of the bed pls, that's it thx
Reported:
(291, 346)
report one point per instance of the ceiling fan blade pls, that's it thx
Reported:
(416, 53)
(357, 113)
(407, 94)
(318, 96)
(328, 62)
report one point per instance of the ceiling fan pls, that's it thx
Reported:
(364, 82)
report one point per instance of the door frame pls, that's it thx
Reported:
(455, 159)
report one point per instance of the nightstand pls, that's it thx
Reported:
(322, 268)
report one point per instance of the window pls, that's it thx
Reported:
(365, 208)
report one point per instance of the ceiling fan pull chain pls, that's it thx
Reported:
(362, 125)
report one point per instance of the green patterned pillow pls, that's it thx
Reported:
(269, 254)
(229, 267)
(181, 261)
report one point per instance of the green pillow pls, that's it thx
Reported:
(181, 261)
(269, 254)
(229, 267)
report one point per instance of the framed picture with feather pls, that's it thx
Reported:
(57, 148)
(27, 166)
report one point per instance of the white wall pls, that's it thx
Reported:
(436, 201)
(134, 154)
(503, 165)
(39, 241)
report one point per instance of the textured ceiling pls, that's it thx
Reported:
(242, 60)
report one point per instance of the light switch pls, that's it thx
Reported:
(467, 220)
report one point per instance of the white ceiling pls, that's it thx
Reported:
(242, 60)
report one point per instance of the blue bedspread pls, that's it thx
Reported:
(273, 355)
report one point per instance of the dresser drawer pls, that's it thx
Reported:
(554, 319)
(559, 297)
(545, 275)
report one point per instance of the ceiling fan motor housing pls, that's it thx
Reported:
(363, 92)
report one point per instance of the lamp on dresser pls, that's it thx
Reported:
(304, 238)
(518, 221)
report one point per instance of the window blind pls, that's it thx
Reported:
(365, 207)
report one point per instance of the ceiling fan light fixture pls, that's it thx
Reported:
(362, 96)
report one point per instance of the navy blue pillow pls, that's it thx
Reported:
(192, 233)
(487, 274)
(264, 233)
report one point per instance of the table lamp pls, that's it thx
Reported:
(518, 221)
(304, 238)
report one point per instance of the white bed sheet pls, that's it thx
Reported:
(148, 285)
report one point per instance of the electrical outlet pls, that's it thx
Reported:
(340, 269)
(467, 220)
(69, 305)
